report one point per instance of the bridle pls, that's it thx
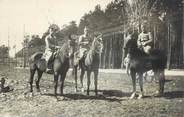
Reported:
(98, 45)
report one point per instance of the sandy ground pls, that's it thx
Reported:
(113, 99)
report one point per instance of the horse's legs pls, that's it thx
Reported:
(96, 81)
(88, 81)
(55, 82)
(161, 82)
(81, 79)
(75, 75)
(32, 72)
(133, 76)
(157, 75)
(38, 80)
(141, 85)
(62, 79)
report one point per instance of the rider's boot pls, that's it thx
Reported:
(48, 68)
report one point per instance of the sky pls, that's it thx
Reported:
(19, 17)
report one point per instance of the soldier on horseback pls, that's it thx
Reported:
(145, 39)
(51, 45)
(84, 43)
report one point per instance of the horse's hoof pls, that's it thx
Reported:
(59, 98)
(158, 94)
(31, 94)
(75, 90)
(38, 93)
(133, 95)
(56, 99)
(140, 96)
(38, 90)
(30, 91)
(82, 90)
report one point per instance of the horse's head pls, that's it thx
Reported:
(130, 44)
(97, 44)
(64, 50)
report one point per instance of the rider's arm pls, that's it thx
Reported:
(150, 38)
(139, 41)
(81, 41)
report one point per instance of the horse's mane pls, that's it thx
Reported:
(132, 48)
(90, 56)
(62, 53)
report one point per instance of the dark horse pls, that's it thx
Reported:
(140, 62)
(90, 64)
(60, 67)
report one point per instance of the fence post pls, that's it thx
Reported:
(183, 34)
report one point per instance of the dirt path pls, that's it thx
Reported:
(114, 90)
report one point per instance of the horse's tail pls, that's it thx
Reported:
(161, 62)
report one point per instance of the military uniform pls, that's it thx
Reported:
(50, 48)
(145, 41)
(84, 45)
(51, 44)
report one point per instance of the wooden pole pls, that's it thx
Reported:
(8, 48)
(183, 33)
(23, 50)
(169, 46)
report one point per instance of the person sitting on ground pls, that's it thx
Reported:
(145, 39)
(51, 45)
(4, 89)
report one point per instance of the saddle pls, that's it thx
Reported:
(50, 61)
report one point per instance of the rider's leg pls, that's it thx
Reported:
(82, 55)
(47, 58)
(147, 49)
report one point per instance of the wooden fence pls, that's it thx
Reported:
(112, 53)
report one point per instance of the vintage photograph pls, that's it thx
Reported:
(91, 58)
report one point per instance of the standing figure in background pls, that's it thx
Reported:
(160, 32)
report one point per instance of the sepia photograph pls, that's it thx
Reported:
(91, 58)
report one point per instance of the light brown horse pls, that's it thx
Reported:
(90, 64)
(60, 67)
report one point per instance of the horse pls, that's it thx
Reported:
(60, 67)
(90, 63)
(141, 62)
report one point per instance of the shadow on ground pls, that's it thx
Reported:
(174, 94)
(108, 95)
